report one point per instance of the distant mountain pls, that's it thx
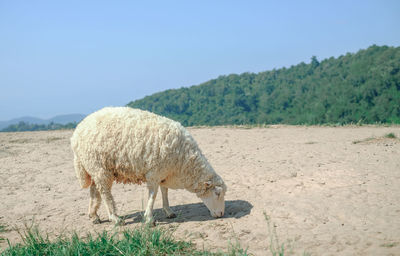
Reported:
(362, 87)
(61, 119)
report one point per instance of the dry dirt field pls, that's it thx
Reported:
(327, 190)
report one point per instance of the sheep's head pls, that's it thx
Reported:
(214, 198)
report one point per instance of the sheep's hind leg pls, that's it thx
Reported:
(148, 215)
(105, 192)
(94, 204)
(168, 212)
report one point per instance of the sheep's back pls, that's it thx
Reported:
(129, 142)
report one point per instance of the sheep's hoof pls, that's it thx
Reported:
(151, 223)
(171, 216)
(96, 221)
(120, 222)
(169, 213)
(95, 218)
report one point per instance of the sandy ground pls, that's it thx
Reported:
(324, 194)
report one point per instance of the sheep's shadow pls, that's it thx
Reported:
(193, 212)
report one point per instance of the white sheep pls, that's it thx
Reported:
(133, 146)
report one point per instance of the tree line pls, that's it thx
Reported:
(23, 126)
(362, 87)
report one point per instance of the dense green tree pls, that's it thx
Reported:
(361, 87)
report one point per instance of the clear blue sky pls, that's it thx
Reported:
(61, 57)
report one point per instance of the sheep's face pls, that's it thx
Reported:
(214, 200)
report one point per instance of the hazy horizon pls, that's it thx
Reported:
(60, 58)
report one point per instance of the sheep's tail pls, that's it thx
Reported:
(84, 178)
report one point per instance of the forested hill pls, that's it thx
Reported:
(361, 87)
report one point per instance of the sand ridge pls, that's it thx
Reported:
(324, 194)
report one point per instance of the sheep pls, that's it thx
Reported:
(129, 145)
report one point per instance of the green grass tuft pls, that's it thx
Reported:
(140, 241)
(3, 229)
(276, 248)
(390, 245)
(390, 136)
(235, 249)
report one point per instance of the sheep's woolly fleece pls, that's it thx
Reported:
(133, 146)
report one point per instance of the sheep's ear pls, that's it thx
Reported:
(207, 184)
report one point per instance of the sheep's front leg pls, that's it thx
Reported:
(170, 214)
(148, 215)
